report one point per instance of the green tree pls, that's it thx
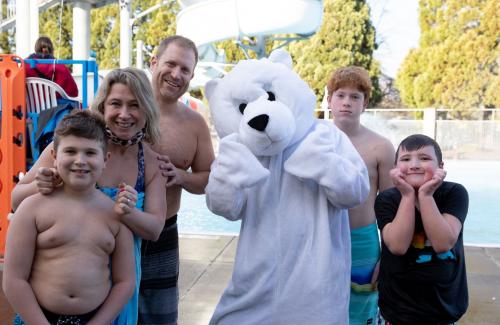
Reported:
(7, 41)
(233, 51)
(151, 29)
(457, 62)
(346, 37)
(154, 27)
(105, 35)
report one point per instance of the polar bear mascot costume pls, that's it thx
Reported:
(289, 178)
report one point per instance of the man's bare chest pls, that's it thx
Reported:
(179, 145)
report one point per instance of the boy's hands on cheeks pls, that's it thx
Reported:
(397, 177)
(429, 187)
(47, 179)
(125, 200)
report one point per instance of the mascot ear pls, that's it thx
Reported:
(281, 56)
(210, 87)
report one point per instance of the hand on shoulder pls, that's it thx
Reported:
(47, 179)
(169, 171)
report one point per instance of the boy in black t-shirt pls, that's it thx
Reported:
(422, 276)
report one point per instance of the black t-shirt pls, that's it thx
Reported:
(422, 287)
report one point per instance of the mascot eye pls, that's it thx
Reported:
(242, 107)
(270, 96)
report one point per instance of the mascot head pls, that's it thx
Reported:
(263, 101)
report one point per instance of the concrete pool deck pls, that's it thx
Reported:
(207, 262)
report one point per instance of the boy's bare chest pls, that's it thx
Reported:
(86, 230)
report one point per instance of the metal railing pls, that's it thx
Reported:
(88, 66)
(471, 134)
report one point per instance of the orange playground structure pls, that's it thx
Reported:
(12, 134)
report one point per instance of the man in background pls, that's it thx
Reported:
(187, 152)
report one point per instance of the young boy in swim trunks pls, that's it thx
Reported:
(422, 268)
(349, 91)
(59, 247)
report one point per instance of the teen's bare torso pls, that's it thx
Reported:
(374, 149)
(71, 265)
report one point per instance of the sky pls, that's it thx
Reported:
(397, 27)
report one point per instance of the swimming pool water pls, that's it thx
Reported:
(482, 181)
(480, 178)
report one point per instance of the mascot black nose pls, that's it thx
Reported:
(259, 122)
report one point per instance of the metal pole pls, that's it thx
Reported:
(139, 62)
(34, 30)
(125, 34)
(23, 28)
(81, 34)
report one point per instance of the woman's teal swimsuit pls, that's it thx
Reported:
(128, 315)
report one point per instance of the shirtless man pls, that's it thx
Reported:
(348, 95)
(185, 144)
(59, 246)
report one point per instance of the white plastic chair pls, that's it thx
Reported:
(41, 94)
